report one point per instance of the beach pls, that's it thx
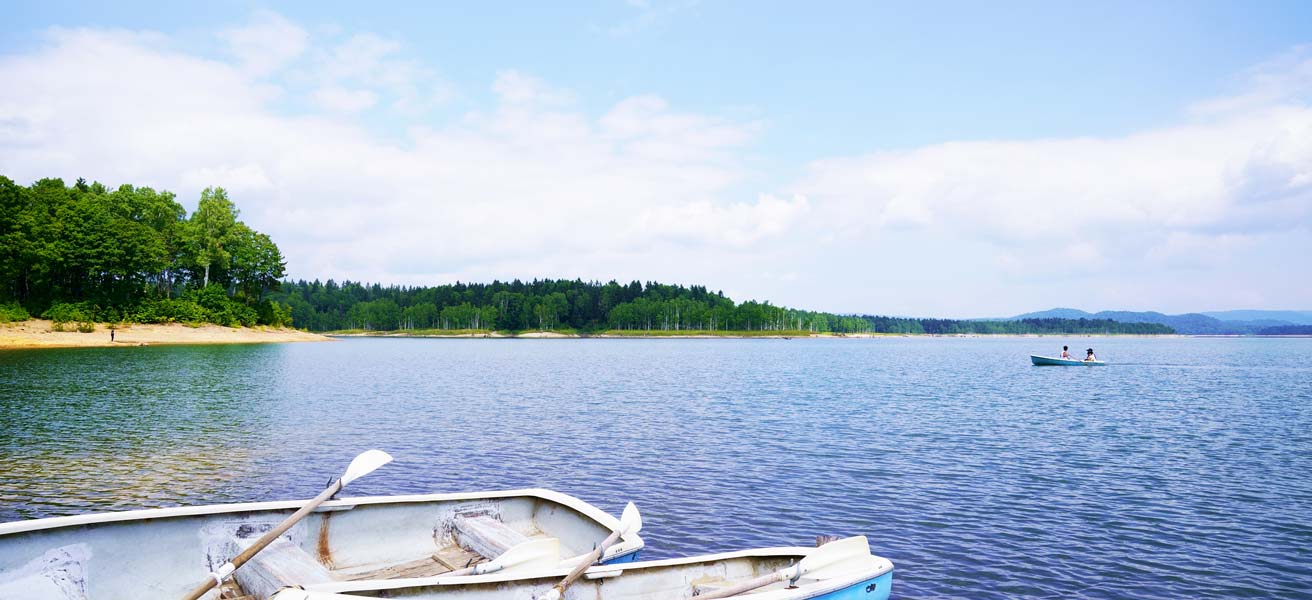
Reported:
(39, 333)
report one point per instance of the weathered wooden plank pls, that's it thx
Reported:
(424, 567)
(486, 536)
(456, 557)
(280, 564)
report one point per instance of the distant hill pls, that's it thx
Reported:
(1055, 313)
(1238, 322)
(1295, 317)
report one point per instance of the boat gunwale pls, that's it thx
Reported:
(819, 588)
(30, 525)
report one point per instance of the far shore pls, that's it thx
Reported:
(39, 333)
(654, 335)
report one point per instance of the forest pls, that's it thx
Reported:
(85, 253)
(1286, 330)
(589, 307)
(544, 304)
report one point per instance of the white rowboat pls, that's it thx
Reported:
(164, 553)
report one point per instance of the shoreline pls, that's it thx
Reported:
(37, 334)
(731, 335)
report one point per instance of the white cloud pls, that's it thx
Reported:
(1285, 79)
(1089, 199)
(645, 125)
(533, 185)
(649, 14)
(237, 179)
(738, 224)
(525, 188)
(360, 55)
(266, 44)
(363, 70)
(339, 99)
(514, 87)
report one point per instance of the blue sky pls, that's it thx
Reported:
(944, 159)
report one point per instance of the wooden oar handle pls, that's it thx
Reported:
(583, 565)
(216, 578)
(745, 586)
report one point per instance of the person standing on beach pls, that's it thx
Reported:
(111, 334)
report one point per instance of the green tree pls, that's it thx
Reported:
(210, 233)
(257, 265)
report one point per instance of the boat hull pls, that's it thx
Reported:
(166, 552)
(875, 588)
(1048, 361)
(866, 577)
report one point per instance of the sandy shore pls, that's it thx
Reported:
(37, 334)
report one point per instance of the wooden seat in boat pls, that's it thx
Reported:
(279, 565)
(282, 563)
(486, 536)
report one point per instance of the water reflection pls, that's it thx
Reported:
(84, 429)
(1180, 470)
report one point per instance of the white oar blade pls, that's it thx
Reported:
(365, 464)
(530, 556)
(838, 558)
(630, 520)
(848, 566)
(295, 594)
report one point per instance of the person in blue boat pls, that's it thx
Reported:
(1090, 357)
(1066, 354)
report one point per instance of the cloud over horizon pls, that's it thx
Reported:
(1195, 214)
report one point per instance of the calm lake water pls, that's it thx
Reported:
(1184, 469)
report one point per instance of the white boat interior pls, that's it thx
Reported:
(672, 579)
(164, 553)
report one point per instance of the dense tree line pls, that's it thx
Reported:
(593, 306)
(88, 253)
(542, 304)
(1286, 330)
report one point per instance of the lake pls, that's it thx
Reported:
(1183, 469)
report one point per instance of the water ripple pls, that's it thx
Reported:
(1182, 470)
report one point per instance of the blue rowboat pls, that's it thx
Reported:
(863, 576)
(1048, 361)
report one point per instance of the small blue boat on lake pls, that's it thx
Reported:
(1048, 361)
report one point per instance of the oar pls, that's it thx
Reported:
(299, 594)
(526, 556)
(630, 522)
(829, 560)
(363, 464)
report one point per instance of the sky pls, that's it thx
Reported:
(943, 159)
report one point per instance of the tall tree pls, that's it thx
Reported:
(211, 231)
(257, 264)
